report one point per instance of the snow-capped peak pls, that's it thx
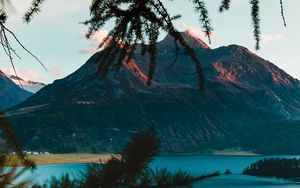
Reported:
(28, 85)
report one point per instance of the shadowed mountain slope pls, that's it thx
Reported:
(10, 93)
(244, 96)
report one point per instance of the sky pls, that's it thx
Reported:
(56, 36)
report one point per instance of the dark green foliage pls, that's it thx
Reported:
(131, 169)
(8, 176)
(163, 178)
(34, 9)
(63, 182)
(256, 21)
(140, 23)
(275, 167)
(203, 17)
(282, 13)
(8, 49)
(225, 5)
(4, 31)
(279, 137)
(3, 16)
(13, 141)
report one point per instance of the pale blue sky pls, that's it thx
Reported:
(56, 36)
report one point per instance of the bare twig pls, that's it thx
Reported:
(7, 48)
(18, 41)
(282, 13)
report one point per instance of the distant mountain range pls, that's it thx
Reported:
(249, 103)
(10, 93)
(28, 85)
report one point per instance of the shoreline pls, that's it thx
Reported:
(87, 158)
(72, 158)
(226, 152)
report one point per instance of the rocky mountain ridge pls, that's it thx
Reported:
(245, 96)
(28, 85)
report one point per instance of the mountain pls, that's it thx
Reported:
(248, 103)
(10, 93)
(28, 85)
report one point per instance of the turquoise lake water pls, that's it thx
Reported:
(195, 164)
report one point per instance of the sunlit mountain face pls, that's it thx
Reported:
(245, 97)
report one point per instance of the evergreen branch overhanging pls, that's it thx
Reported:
(131, 28)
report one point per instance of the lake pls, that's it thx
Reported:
(195, 164)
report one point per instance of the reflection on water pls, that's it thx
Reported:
(195, 164)
(201, 164)
(238, 180)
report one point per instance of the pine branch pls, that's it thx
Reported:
(24, 48)
(282, 13)
(34, 9)
(225, 5)
(13, 141)
(7, 48)
(3, 16)
(131, 29)
(256, 21)
(203, 17)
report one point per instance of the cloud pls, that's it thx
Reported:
(55, 72)
(95, 40)
(196, 31)
(27, 74)
(272, 37)
(51, 7)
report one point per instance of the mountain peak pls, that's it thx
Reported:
(190, 36)
(13, 77)
(244, 94)
(29, 85)
(193, 36)
(2, 73)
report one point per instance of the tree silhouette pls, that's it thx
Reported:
(141, 22)
(288, 168)
(8, 176)
(13, 142)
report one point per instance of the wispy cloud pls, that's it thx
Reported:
(95, 40)
(196, 31)
(272, 37)
(55, 72)
(26, 74)
(56, 6)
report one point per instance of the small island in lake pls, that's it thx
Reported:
(275, 167)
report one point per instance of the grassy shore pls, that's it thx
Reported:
(69, 158)
(237, 152)
(78, 158)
